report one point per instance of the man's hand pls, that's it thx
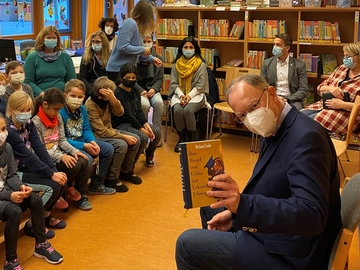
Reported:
(220, 222)
(229, 192)
(130, 140)
(151, 93)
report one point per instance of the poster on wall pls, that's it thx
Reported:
(56, 12)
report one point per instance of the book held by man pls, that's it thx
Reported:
(200, 161)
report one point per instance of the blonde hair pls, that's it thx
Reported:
(105, 51)
(143, 14)
(19, 101)
(3, 78)
(39, 46)
(74, 83)
(103, 82)
(352, 48)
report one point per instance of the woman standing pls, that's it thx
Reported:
(94, 60)
(48, 66)
(189, 85)
(129, 44)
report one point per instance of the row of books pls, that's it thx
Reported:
(319, 31)
(172, 27)
(266, 29)
(211, 28)
(311, 61)
(256, 59)
(327, 61)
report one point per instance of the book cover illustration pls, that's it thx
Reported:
(200, 162)
(329, 63)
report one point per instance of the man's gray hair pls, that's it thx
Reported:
(251, 79)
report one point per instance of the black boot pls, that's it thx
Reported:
(191, 135)
(182, 138)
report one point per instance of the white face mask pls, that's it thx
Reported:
(74, 103)
(262, 120)
(109, 30)
(147, 45)
(17, 78)
(3, 136)
(2, 90)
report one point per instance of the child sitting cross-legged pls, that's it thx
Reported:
(100, 106)
(68, 159)
(15, 196)
(79, 134)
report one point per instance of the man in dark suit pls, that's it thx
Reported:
(288, 215)
(285, 73)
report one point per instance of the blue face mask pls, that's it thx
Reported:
(50, 43)
(348, 62)
(97, 48)
(277, 51)
(23, 117)
(188, 53)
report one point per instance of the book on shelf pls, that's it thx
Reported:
(329, 63)
(237, 30)
(234, 63)
(200, 161)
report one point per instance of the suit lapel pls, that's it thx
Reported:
(291, 72)
(273, 71)
(274, 144)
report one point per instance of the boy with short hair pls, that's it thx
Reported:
(79, 134)
(100, 106)
(14, 72)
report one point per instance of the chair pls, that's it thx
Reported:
(341, 146)
(169, 117)
(27, 43)
(232, 73)
(350, 216)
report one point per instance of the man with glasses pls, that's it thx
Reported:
(288, 215)
(285, 73)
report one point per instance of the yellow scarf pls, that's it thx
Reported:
(186, 69)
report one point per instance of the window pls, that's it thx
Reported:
(16, 17)
(120, 10)
(57, 13)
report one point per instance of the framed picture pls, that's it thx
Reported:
(76, 44)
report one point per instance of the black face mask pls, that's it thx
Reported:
(128, 83)
(100, 102)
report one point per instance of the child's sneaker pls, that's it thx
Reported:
(83, 203)
(102, 190)
(117, 185)
(46, 251)
(130, 177)
(12, 265)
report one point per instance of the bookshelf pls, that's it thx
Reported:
(348, 19)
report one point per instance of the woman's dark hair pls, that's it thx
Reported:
(103, 21)
(127, 68)
(52, 96)
(194, 43)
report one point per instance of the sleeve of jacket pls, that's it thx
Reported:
(305, 212)
(263, 71)
(158, 79)
(12, 177)
(202, 83)
(69, 66)
(97, 124)
(303, 87)
(44, 166)
(174, 81)
(83, 76)
(88, 134)
(63, 143)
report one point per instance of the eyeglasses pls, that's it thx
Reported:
(240, 116)
(348, 56)
(96, 41)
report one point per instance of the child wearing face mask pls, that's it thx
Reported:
(15, 197)
(94, 61)
(188, 88)
(35, 165)
(79, 134)
(16, 76)
(68, 159)
(133, 120)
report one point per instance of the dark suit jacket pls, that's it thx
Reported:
(289, 211)
(298, 81)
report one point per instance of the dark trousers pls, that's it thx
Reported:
(12, 215)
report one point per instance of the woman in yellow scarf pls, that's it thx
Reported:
(188, 89)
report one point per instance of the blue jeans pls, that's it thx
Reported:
(311, 113)
(105, 157)
(204, 249)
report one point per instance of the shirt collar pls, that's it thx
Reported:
(283, 114)
(285, 62)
